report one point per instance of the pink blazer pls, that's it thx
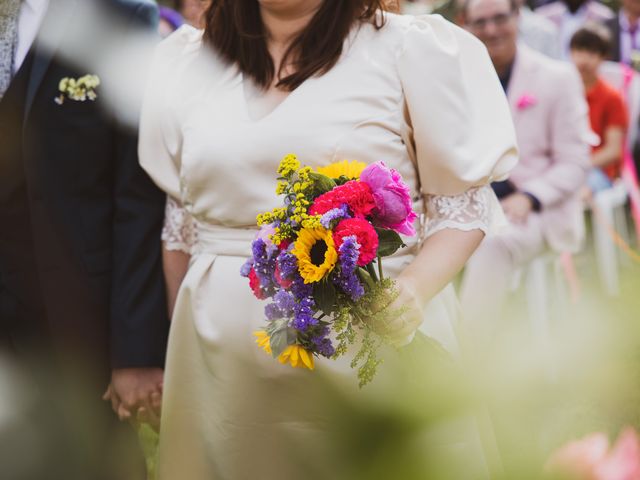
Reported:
(550, 115)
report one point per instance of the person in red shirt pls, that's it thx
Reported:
(607, 110)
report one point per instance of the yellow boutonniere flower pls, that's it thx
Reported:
(78, 90)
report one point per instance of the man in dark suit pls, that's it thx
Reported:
(613, 25)
(625, 34)
(82, 302)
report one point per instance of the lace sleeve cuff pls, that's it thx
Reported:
(178, 232)
(476, 209)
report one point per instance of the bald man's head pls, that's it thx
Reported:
(495, 23)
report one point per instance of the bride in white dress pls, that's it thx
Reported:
(416, 92)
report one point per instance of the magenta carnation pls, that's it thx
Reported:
(365, 234)
(392, 198)
(356, 195)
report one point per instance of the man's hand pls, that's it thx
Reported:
(136, 393)
(517, 207)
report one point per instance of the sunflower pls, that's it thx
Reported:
(262, 339)
(350, 169)
(297, 356)
(316, 254)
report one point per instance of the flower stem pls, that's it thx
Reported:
(380, 274)
(372, 272)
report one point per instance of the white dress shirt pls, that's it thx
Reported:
(571, 22)
(31, 16)
(539, 33)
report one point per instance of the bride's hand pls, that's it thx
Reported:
(400, 329)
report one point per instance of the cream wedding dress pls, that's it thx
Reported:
(419, 94)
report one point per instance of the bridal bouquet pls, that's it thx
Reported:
(318, 260)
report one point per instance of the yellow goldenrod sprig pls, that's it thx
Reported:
(288, 166)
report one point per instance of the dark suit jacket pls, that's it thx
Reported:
(613, 25)
(92, 252)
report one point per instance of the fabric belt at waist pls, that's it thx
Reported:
(221, 240)
(236, 241)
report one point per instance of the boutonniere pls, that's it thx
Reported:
(526, 100)
(78, 90)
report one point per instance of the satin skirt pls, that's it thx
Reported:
(232, 412)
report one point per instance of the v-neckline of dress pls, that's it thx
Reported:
(281, 105)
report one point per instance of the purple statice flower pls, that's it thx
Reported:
(264, 263)
(349, 252)
(300, 289)
(288, 264)
(347, 279)
(272, 312)
(324, 346)
(285, 301)
(323, 343)
(246, 268)
(334, 214)
(303, 315)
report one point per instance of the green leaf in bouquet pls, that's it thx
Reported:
(372, 272)
(280, 339)
(342, 179)
(389, 242)
(324, 294)
(321, 183)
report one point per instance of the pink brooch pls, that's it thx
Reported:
(526, 100)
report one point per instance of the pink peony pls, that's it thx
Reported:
(392, 198)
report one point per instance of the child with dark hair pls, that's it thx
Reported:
(607, 110)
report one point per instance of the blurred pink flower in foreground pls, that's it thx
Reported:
(591, 458)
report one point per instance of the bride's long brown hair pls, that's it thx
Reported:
(234, 29)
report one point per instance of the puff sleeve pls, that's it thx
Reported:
(160, 142)
(461, 131)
